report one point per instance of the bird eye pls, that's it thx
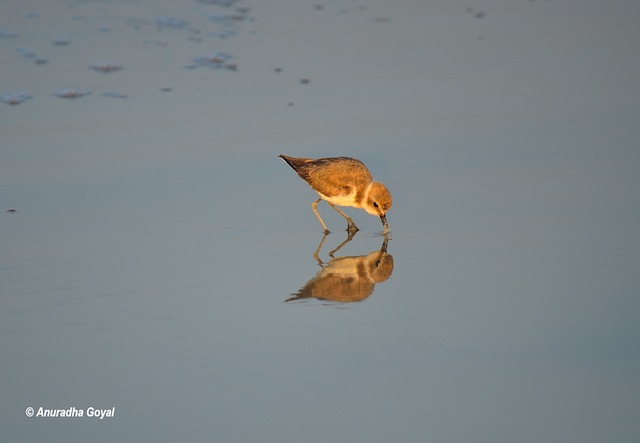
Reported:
(375, 205)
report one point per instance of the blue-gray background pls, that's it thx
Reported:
(157, 236)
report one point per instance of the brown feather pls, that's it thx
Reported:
(321, 173)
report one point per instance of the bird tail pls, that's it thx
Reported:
(298, 164)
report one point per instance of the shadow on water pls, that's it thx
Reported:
(347, 279)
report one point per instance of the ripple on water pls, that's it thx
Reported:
(215, 60)
(7, 34)
(61, 41)
(15, 98)
(31, 55)
(70, 93)
(115, 94)
(105, 67)
(171, 22)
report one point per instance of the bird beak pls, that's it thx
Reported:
(383, 219)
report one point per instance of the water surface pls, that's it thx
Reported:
(156, 236)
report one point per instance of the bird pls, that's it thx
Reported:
(343, 181)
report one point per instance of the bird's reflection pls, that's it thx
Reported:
(347, 279)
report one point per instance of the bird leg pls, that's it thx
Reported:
(315, 211)
(351, 228)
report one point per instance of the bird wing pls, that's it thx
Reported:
(337, 176)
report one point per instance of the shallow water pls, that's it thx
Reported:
(156, 237)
